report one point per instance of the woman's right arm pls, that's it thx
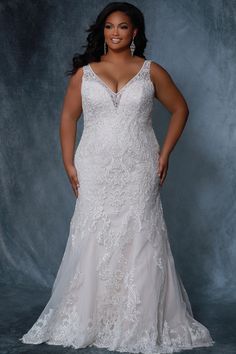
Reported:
(71, 112)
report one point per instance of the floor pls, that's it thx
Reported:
(220, 318)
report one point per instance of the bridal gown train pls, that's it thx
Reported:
(117, 286)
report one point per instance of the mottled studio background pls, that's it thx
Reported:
(195, 42)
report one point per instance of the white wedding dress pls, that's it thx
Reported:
(117, 286)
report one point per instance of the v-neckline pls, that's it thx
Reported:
(125, 85)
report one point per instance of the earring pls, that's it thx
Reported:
(132, 47)
(105, 48)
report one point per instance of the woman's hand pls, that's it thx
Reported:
(163, 168)
(72, 174)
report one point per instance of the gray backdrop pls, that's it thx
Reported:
(195, 42)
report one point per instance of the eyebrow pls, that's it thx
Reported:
(119, 23)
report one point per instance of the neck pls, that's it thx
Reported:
(117, 57)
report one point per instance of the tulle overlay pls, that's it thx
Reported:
(117, 286)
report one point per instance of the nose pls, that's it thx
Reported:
(115, 31)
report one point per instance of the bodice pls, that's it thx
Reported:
(132, 104)
(117, 125)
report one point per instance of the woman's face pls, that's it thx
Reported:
(118, 30)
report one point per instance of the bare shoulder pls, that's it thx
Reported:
(166, 90)
(75, 79)
(159, 74)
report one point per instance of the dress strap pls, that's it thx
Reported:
(86, 71)
(147, 64)
(145, 74)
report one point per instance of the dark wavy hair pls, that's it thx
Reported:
(95, 46)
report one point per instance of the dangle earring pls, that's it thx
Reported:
(132, 47)
(105, 48)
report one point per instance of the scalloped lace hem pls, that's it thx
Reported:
(162, 349)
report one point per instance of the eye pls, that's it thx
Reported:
(124, 27)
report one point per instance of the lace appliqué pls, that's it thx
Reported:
(117, 287)
(116, 96)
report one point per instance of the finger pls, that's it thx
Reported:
(161, 171)
(76, 193)
(160, 182)
(163, 177)
(75, 189)
(75, 179)
(77, 186)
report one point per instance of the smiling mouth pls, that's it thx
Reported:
(115, 40)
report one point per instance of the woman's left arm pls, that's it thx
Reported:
(169, 95)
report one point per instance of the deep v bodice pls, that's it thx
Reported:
(117, 122)
(123, 87)
(138, 90)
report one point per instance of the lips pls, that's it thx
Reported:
(115, 40)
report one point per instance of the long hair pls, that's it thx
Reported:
(95, 39)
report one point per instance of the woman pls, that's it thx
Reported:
(117, 286)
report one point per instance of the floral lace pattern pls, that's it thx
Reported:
(117, 286)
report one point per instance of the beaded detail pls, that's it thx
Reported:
(115, 96)
(117, 286)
